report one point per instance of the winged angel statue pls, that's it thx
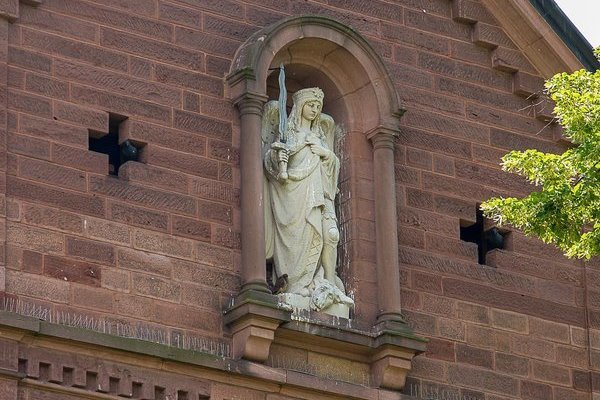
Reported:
(301, 175)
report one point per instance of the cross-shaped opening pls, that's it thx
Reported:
(118, 154)
(487, 238)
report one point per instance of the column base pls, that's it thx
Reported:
(391, 323)
(258, 286)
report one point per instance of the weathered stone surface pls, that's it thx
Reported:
(161, 244)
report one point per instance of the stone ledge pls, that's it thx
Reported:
(7, 373)
(341, 333)
(387, 349)
(33, 332)
(257, 320)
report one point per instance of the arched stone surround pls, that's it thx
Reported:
(318, 51)
(342, 54)
(359, 93)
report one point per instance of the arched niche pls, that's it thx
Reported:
(360, 95)
(339, 52)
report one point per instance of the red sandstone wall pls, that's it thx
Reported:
(161, 244)
(158, 244)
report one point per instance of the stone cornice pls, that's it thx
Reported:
(43, 334)
(567, 31)
(532, 34)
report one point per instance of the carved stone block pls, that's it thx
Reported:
(390, 367)
(253, 318)
(252, 337)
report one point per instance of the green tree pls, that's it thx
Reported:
(566, 208)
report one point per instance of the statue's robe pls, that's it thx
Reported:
(296, 211)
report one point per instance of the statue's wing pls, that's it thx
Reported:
(329, 129)
(270, 122)
(331, 132)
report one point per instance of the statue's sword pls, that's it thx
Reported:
(282, 105)
(281, 144)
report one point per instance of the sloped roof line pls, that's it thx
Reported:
(567, 31)
(536, 38)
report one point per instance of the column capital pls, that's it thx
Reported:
(382, 136)
(250, 103)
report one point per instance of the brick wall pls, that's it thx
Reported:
(160, 243)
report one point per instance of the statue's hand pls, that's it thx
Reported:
(319, 150)
(282, 155)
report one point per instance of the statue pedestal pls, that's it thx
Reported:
(377, 357)
(298, 302)
(266, 329)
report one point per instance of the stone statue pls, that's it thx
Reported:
(301, 176)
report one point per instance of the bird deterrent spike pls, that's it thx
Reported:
(140, 331)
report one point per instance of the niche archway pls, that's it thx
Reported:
(318, 51)
(360, 95)
(338, 51)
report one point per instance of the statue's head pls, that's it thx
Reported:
(308, 94)
(307, 104)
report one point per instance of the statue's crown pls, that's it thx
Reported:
(308, 94)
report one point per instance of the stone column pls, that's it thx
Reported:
(250, 106)
(386, 222)
(9, 11)
(254, 315)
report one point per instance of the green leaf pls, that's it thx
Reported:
(565, 210)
